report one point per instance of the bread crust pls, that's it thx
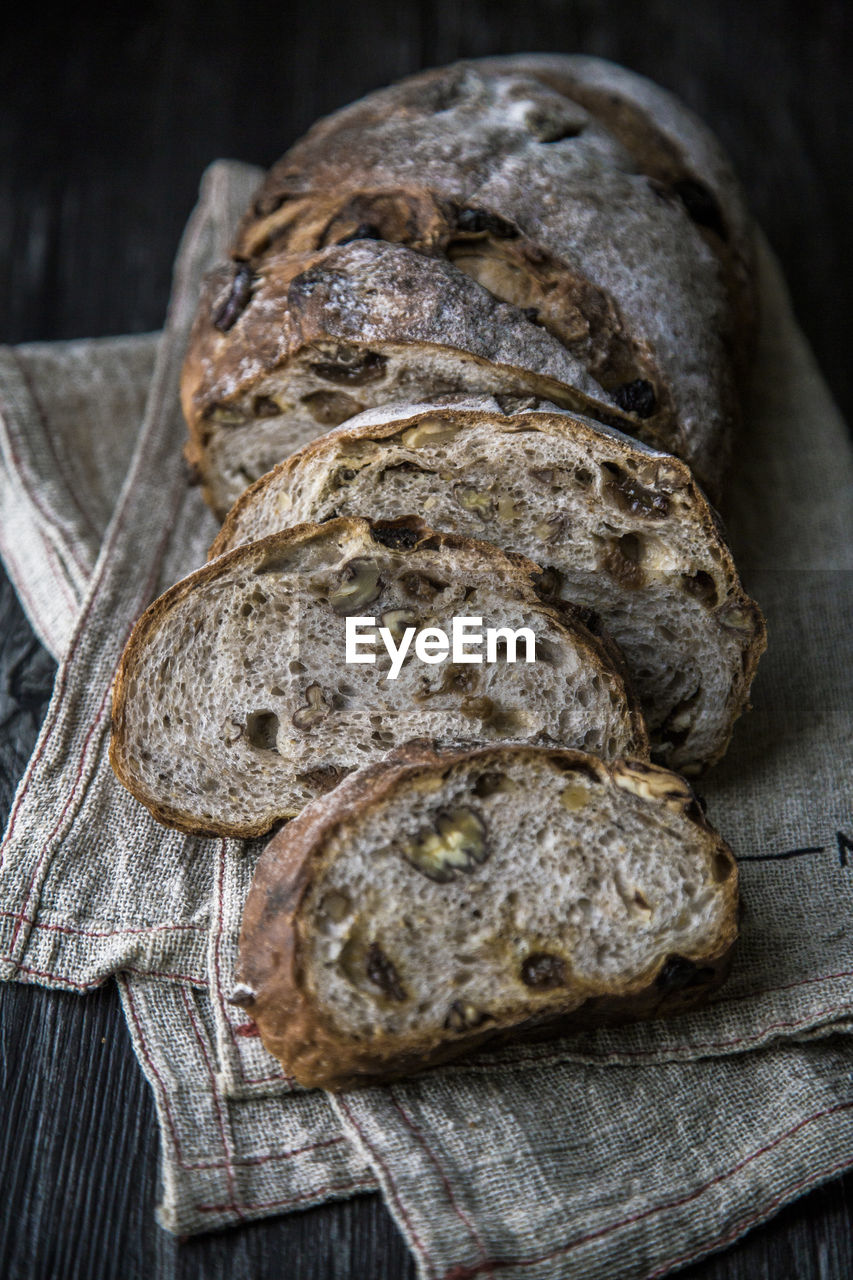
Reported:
(656, 285)
(519, 574)
(271, 975)
(387, 422)
(671, 145)
(665, 140)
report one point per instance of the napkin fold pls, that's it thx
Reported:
(614, 1153)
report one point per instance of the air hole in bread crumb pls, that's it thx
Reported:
(330, 408)
(622, 560)
(262, 729)
(702, 586)
(488, 784)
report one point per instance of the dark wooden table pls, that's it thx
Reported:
(106, 124)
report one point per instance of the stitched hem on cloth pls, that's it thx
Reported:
(240, 1182)
(488, 1264)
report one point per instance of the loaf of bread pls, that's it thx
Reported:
(618, 528)
(233, 704)
(442, 900)
(548, 202)
(518, 297)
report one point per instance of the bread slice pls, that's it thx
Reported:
(439, 901)
(535, 195)
(234, 704)
(619, 528)
(280, 354)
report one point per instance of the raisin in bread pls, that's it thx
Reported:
(279, 354)
(619, 528)
(234, 705)
(439, 901)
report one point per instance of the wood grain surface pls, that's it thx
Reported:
(107, 120)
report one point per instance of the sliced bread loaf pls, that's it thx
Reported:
(281, 353)
(619, 528)
(234, 704)
(438, 901)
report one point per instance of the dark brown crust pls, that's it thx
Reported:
(383, 169)
(362, 294)
(666, 159)
(581, 315)
(271, 971)
(666, 142)
(520, 574)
